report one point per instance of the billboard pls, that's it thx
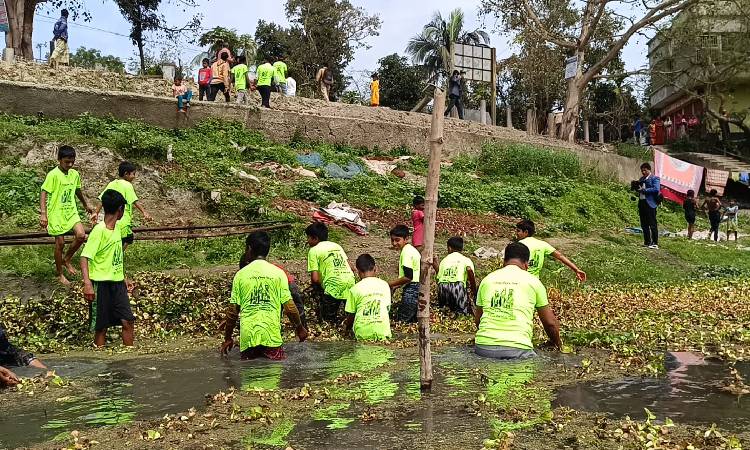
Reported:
(475, 60)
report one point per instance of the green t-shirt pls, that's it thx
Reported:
(125, 188)
(240, 77)
(62, 212)
(454, 268)
(265, 74)
(370, 302)
(539, 250)
(280, 72)
(259, 289)
(103, 249)
(411, 258)
(336, 276)
(508, 298)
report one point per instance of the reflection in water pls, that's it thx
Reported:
(363, 358)
(275, 437)
(266, 377)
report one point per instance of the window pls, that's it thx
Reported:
(709, 49)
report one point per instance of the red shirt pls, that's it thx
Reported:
(289, 276)
(417, 221)
(204, 76)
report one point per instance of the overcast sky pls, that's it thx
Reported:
(401, 20)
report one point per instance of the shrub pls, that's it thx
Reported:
(497, 160)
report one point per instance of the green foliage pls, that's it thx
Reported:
(238, 43)
(684, 145)
(638, 152)
(400, 82)
(19, 190)
(88, 58)
(525, 160)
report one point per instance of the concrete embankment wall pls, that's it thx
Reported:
(311, 119)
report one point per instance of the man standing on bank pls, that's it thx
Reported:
(648, 201)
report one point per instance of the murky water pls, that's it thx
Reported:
(690, 393)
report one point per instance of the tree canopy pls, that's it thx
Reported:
(401, 83)
(89, 57)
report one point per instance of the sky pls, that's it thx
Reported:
(400, 21)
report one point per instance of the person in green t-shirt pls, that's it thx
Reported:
(540, 249)
(368, 304)
(104, 285)
(455, 274)
(409, 271)
(259, 291)
(59, 213)
(241, 79)
(265, 74)
(124, 185)
(280, 71)
(330, 274)
(505, 308)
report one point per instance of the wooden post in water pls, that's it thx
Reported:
(430, 215)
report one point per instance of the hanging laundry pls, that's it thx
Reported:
(677, 177)
(716, 179)
(744, 178)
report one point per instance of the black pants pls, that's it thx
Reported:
(715, 218)
(455, 100)
(204, 91)
(265, 96)
(647, 215)
(215, 89)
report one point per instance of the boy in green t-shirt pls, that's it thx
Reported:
(454, 275)
(103, 271)
(124, 185)
(59, 213)
(368, 304)
(279, 75)
(241, 79)
(409, 270)
(539, 249)
(330, 274)
(259, 290)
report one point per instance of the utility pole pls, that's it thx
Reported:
(40, 46)
(430, 215)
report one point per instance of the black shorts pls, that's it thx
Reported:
(111, 305)
(690, 219)
(128, 239)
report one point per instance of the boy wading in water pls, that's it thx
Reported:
(259, 290)
(539, 249)
(59, 213)
(368, 304)
(103, 271)
(409, 270)
(330, 273)
(455, 276)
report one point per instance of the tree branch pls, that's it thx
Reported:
(543, 30)
(589, 32)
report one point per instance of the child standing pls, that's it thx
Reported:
(409, 270)
(204, 80)
(540, 249)
(104, 284)
(713, 205)
(454, 273)
(182, 93)
(124, 185)
(690, 205)
(58, 211)
(368, 304)
(241, 79)
(417, 221)
(731, 212)
(375, 90)
(330, 273)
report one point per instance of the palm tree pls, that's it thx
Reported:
(431, 47)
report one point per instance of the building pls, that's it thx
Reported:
(702, 53)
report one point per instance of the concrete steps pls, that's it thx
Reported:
(713, 161)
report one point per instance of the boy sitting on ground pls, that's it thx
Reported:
(368, 304)
(10, 355)
(505, 309)
(59, 213)
(103, 271)
(329, 269)
(124, 185)
(453, 274)
(409, 270)
(539, 249)
(259, 290)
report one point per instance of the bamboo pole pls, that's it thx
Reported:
(169, 237)
(42, 234)
(430, 214)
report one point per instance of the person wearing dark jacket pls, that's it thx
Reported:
(11, 355)
(454, 94)
(648, 201)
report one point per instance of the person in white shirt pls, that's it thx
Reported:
(291, 87)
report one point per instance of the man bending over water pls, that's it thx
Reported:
(10, 355)
(258, 292)
(505, 309)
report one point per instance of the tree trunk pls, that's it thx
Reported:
(576, 88)
(21, 26)
(27, 44)
(141, 56)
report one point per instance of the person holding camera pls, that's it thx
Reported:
(454, 94)
(649, 191)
